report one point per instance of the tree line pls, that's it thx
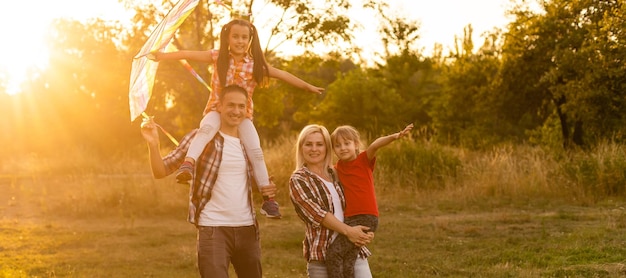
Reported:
(556, 76)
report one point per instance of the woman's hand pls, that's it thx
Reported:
(359, 235)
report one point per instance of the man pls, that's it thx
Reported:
(220, 203)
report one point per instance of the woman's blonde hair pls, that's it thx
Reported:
(347, 132)
(306, 131)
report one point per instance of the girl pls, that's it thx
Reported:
(239, 61)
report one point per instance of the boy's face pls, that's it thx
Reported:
(345, 149)
(232, 108)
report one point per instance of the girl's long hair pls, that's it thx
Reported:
(260, 70)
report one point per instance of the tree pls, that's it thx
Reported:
(361, 99)
(81, 99)
(567, 60)
(178, 99)
(309, 22)
(464, 112)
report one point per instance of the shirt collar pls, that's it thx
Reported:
(247, 58)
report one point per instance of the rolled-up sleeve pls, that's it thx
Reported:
(175, 158)
(306, 200)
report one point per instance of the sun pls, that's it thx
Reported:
(24, 49)
(23, 25)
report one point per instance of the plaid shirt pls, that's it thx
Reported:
(312, 202)
(238, 74)
(205, 175)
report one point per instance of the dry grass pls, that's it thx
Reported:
(513, 211)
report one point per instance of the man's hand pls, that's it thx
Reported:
(149, 131)
(269, 190)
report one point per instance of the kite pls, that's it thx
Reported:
(143, 70)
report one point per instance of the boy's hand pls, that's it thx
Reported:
(405, 131)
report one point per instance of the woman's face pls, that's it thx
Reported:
(314, 149)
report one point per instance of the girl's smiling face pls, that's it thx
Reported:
(239, 39)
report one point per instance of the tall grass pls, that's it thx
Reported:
(505, 173)
(514, 174)
(513, 210)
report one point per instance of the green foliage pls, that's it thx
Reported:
(570, 57)
(415, 79)
(468, 110)
(310, 24)
(548, 135)
(555, 75)
(597, 173)
(355, 95)
(416, 165)
(280, 107)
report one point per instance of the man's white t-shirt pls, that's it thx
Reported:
(229, 204)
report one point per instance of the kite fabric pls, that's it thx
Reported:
(144, 70)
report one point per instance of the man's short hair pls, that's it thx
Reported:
(233, 88)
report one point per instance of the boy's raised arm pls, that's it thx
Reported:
(386, 140)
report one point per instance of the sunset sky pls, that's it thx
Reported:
(26, 21)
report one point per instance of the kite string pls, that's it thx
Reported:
(149, 118)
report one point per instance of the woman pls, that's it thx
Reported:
(319, 201)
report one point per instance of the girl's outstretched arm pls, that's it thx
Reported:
(293, 80)
(386, 140)
(195, 55)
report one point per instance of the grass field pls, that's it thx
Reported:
(111, 221)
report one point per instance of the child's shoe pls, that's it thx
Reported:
(185, 172)
(270, 209)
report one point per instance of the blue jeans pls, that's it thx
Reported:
(219, 246)
(316, 269)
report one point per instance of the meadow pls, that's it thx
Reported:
(509, 211)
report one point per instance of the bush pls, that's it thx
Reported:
(413, 165)
(597, 173)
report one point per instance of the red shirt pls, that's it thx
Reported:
(357, 177)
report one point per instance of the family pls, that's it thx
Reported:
(222, 159)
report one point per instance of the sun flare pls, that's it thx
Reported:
(25, 50)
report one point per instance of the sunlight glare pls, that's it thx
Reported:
(24, 28)
(25, 50)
